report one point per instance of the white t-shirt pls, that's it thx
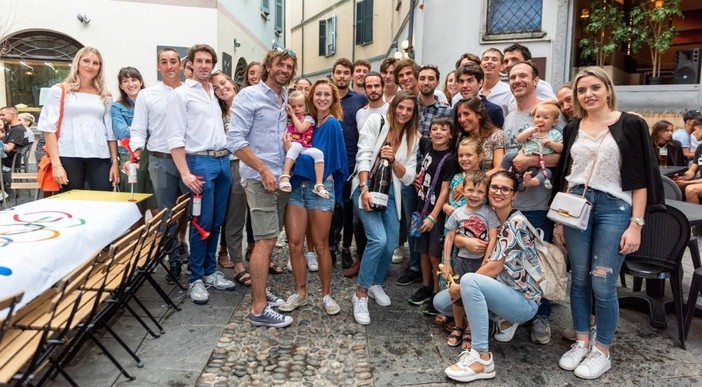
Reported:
(365, 112)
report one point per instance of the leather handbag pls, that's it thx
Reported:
(573, 210)
(45, 177)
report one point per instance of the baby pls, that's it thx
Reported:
(541, 139)
(301, 128)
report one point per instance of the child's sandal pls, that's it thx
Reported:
(321, 191)
(455, 338)
(285, 185)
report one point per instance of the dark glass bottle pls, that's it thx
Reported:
(380, 187)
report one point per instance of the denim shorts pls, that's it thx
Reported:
(304, 196)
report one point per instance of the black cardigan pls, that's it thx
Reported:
(675, 153)
(639, 167)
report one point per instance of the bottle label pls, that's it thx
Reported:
(132, 177)
(663, 151)
(197, 205)
(379, 199)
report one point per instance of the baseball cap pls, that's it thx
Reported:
(692, 114)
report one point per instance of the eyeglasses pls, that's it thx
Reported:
(501, 189)
(290, 53)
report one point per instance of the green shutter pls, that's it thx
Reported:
(322, 38)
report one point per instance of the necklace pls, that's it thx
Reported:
(324, 119)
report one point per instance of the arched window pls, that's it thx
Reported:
(239, 72)
(33, 61)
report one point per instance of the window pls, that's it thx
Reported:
(279, 17)
(364, 22)
(265, 8)
(327, 36)
(514, 17)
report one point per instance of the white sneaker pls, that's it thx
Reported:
(198, 293)
(293, 302)
(330, 306)
(462, 372)
(280, 242)
(289, 265)
(398, 255)
(575, 355)
(217, 281)
(505, 335)
(312, 261)
(595, 364)
(377, 293)
(360, 310)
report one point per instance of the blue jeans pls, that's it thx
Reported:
(595, 263)
(383, 233)
(166, 181)
(538, 219)
(443, 303)
(217, 178)
(483, 296)
(409, 205)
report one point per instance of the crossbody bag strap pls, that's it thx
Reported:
(60, 119)
(427, 199)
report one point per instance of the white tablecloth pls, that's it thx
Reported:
(42, 241)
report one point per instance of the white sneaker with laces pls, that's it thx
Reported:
(293, 302)
(595, 364)
(217, 281)
(462, 371)
(311, 258)
(575, 355)
(330, 306)
(360, 310)
(377, 293)
(398, 255)
(198, 293)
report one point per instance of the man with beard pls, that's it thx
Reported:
(374, 86)
(361, 68)
(259, 122)
(429, 105)
(406, 73)
(520, 53)
(351, 102)
(533, 201)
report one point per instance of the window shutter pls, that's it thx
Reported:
(360, 16)
(322, 38)
(368, 22)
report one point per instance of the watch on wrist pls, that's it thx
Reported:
(638, 221)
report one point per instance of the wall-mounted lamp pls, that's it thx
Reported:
(236, 44)
(83, 18)
(585, 13)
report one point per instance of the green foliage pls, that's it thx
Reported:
(605, 29)
(652, 24)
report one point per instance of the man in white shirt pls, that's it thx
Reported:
(387, 71)
(374, 86)
(149, 122)
(684, 134)
(197, 143)
(493, 88)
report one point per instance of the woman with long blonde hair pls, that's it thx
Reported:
(85, 151)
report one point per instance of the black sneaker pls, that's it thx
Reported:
(421, 296)
(409, 277)
(346, 259)
(175, 272)
(183, 252)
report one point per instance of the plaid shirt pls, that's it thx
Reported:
(428, 113)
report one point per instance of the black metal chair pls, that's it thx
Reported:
(691, 308)
(663, 242)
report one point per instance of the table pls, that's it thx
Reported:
(672, 170)
(100, 196)
(44, 240)
(693, 212)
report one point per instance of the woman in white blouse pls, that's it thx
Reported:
(86, 148)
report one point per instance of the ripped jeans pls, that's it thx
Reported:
(595, 263)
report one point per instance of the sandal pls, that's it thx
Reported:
(224, 260)
(321, 191)
(243, 278)
(442, 319)
(285, 185)
(455, 338)
(275, 269)
(467, 343)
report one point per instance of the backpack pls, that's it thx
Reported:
(552, 279)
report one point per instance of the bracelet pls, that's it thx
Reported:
(364, 189)
(431, 219)
(115, 159)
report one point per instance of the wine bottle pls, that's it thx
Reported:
(380, 187)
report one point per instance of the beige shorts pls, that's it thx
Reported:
(267, 209)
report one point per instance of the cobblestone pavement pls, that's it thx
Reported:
(214, 345)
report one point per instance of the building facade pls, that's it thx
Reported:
(38, 38)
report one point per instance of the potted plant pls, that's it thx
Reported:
(651, 22)
(604, 30)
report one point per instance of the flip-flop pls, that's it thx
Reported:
(224, 261)
(243, 278)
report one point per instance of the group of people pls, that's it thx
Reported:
(472, 168)
(16, 136)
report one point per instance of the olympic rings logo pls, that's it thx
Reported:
(33, 227)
